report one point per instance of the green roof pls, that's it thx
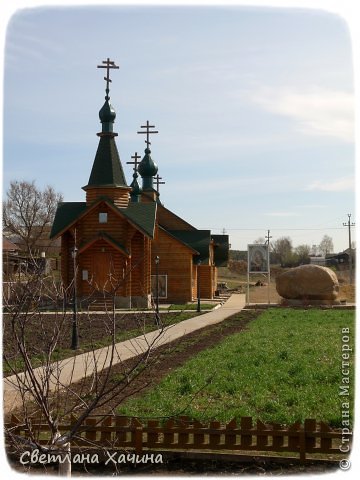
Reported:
(199, 240)
(221, 250)
(107, 169)
(66, 213)
(163, 212)
(142, 215)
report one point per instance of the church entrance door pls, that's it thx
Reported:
(103, 271)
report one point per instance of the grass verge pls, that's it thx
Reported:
(286, 367)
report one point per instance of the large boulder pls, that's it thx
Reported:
(308, 282)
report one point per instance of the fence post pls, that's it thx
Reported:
(138, 434)
(302, 444)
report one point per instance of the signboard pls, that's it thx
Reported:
(258, 258)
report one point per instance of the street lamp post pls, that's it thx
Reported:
(157, 261)
(198, 287)
(75, 336)
(157, 316)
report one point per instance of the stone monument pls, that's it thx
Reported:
(312, 284)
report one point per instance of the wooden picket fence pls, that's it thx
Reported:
(185, 435)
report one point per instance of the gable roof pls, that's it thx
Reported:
(141, 215)
(9, 246)
(66, 214)
(199, 240)
(108, 239)
(170, 221)
(178, 239)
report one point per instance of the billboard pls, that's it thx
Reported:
(258, 258)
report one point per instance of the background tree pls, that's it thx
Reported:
(281, 250)
(326, 245)
(28, 212)
(303, 253)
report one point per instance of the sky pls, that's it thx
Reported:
(254, 108)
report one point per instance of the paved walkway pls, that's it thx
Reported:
(75, 368)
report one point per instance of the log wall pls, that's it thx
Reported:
(176, 263)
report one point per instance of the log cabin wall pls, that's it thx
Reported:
(115, 226)
(176, 263)
(137, 269)
(194, 282)
(206, 281)
(120, 196)
(105, 269)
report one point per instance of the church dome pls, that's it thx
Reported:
(107, 114)
(147, 167)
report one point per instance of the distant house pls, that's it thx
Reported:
(317, 260)
(10, 252)
(341, 260)
(43, 243)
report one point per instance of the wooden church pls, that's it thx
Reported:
(121, 242)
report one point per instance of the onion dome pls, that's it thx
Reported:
(147, 169)
(107, 117)
(135, 189)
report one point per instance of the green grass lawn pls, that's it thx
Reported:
(285, 367)
(189, 306)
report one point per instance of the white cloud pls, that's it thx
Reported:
(316, 112)
(339, 185)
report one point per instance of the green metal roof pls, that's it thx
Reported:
(66, 213)
(142, 215)
(199, 240)
(107, 169)
(195, 252)
(163, 212)
(221, 250)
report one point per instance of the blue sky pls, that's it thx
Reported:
(254, 107)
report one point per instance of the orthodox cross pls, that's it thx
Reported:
(147, 132)
(136, 157)
(108, 65)
(157, 181)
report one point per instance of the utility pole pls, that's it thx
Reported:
(267, 238)
(350, 224)
(267, 242)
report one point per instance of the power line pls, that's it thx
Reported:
(279, 229)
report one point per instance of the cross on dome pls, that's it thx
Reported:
(157, 182)
(109, 64)
(136, 157)
(148, 132)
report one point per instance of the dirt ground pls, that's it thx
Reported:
(92, 328)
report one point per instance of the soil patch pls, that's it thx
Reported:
(94, 332)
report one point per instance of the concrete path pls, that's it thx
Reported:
(75, 368)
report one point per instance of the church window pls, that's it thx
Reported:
(103, 217)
